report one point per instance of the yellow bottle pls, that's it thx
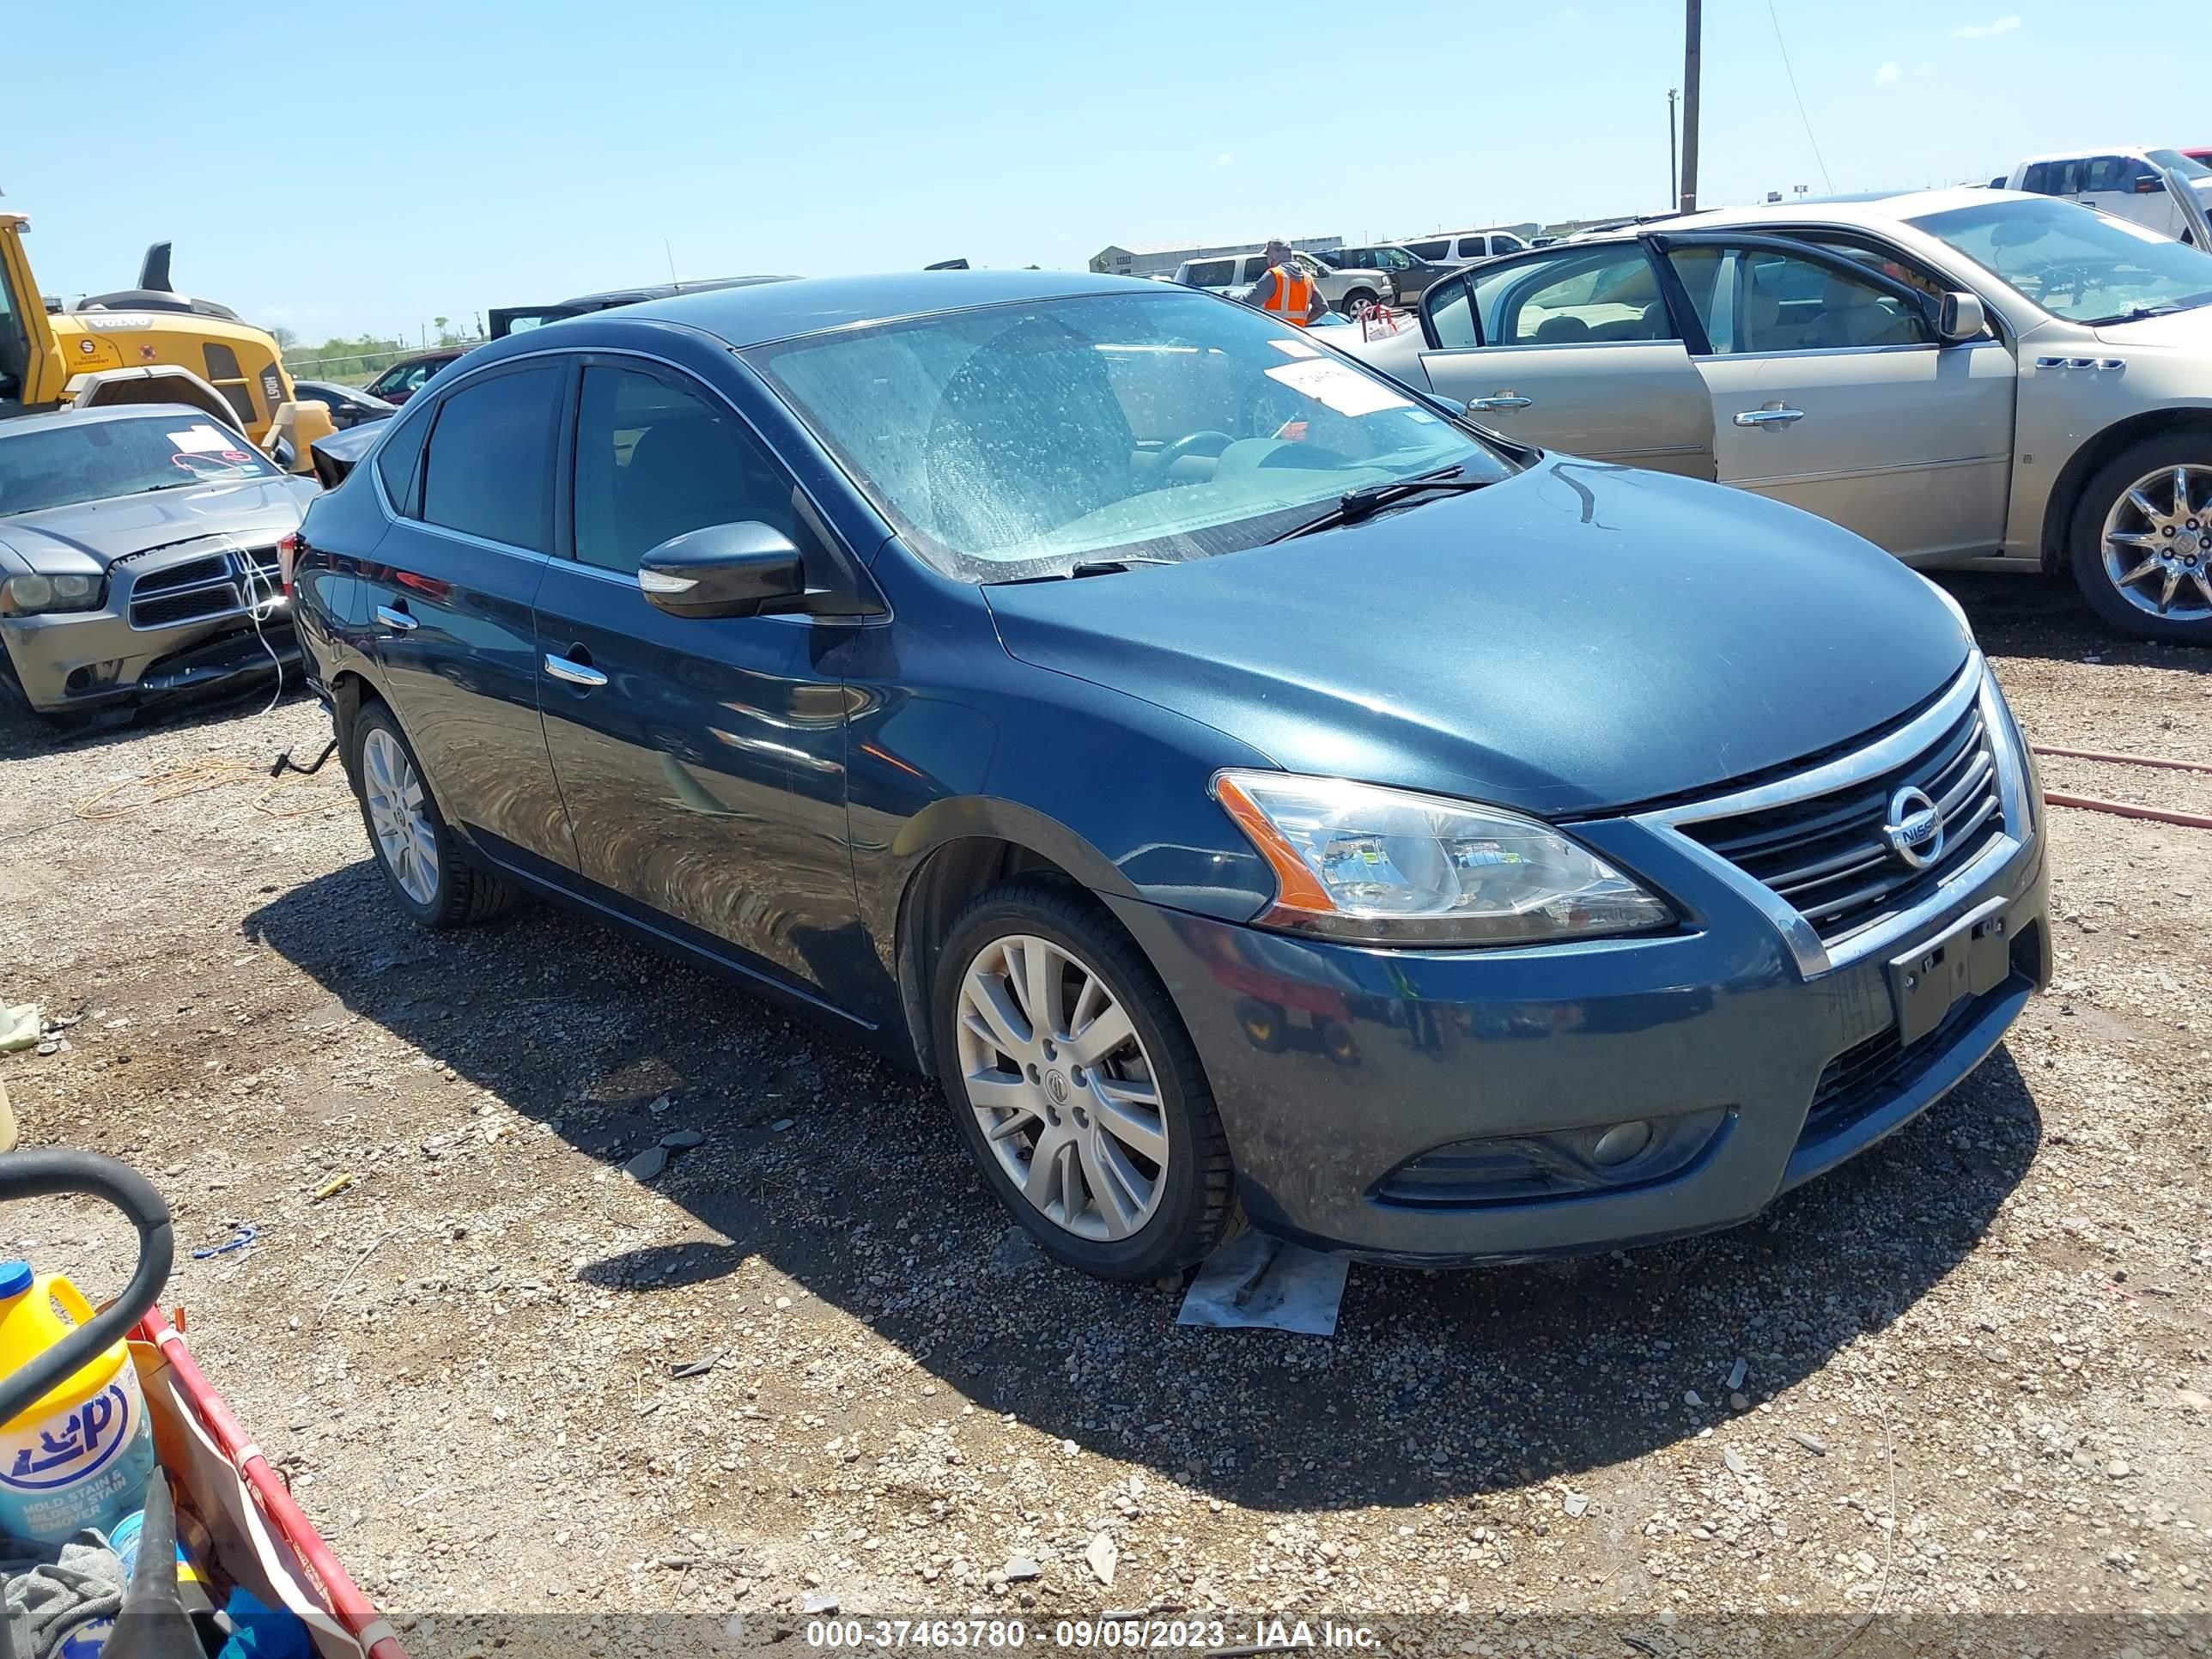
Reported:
(80, 1457)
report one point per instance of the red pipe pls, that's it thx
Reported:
(2129, 810)
(2123, 760)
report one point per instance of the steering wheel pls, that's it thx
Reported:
(1189, 443)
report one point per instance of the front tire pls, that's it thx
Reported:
(1075, 1086)
(2141, 541)
(420, 858)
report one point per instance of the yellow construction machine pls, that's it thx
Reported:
(147, 344)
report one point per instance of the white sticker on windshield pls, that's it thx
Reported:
(1342, 389)
(1295, 348)
(202, 440)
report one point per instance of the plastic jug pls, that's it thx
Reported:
(80, 1457)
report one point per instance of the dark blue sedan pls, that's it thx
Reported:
(1254, 790)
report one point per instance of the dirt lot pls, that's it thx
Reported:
(1973, 1365)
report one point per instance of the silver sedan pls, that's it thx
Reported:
(1968, 378)
(139, 556)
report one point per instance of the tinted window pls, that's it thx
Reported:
(396, 458)
(490, 470)
(1452, 314)
(654, 459)
(1503, 244)
(1390, 258)
(1438, 249)
(2108, 172)
(1255, 267)
(1757, 300)
(1210, 273)
(1602, 293)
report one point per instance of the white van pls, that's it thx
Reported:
(1460, 247)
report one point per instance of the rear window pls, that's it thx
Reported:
(1208, 273)
(489, 469)
(1440, 248)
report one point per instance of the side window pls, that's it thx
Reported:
(654, 459)
(1452, 315)
(1389, 259)
(2037, 178)
(488, 470)
(1438, 249)
(2107, 172)
(396, 458)
(1881, 257)
(1503, 244)
(1590, 295)
(1255, 267)
(1758, 300)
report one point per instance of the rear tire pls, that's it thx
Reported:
(2160, 542)
(1108, 1152)
(1357, 301)
(420, 858)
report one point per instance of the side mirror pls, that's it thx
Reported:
(724, 570)
(1959, 317)
(2148, 183)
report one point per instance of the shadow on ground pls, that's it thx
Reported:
(845, 1175)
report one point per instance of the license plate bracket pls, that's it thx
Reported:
(1970, 960)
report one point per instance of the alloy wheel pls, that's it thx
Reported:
(396, 814)
(1062, 1086)
(2158, 544)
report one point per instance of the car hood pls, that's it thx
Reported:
(1579, 637)
(2185, 328)
(104, 531)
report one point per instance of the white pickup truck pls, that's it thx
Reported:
(2127, 183)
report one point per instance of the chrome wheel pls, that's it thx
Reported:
(2158, 544)
(404, 835)
(1062, 1087)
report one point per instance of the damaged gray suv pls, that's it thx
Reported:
(138, 557)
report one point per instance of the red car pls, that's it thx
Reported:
(407, 376)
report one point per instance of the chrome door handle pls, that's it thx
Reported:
(1769, 417)
(576, 674)
(1505, 400)
(395, 619)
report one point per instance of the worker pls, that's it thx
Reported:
(1284, 291)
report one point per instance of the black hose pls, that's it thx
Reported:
(48, 1172)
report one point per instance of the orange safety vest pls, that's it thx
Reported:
(1292, 297)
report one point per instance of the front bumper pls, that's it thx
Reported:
(128, 649)
(1337, 1068)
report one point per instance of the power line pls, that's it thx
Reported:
(1801, 115)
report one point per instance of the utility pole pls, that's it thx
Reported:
(1674, 176)
(1692, 27)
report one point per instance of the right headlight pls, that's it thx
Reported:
(1357, 861)
(34, 595)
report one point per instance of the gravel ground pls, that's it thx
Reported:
(1968, 1374)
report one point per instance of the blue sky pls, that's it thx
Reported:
(370, 168)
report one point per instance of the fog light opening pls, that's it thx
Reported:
(1620, 1143)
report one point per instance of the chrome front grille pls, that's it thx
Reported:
(1831, 856)
(220, 585)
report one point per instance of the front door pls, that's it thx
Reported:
(1830, 391)
(1572, 350)
(2107, 184)
(702, 760)
(447, 604)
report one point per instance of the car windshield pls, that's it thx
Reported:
(2180, 163)
(92, 460)
(1024, 440)
(2075, 263)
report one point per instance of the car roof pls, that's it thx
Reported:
(2090, 149)
(53, 418)
(1864, 209)
(776, 311)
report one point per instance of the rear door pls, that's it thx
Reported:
(702, 759)
(1829, 391)
(1572, 348)
(446, 601)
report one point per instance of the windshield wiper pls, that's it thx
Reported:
(1368, 500)
(1086, 567)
